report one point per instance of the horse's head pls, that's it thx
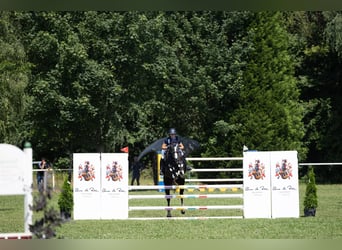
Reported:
(175, 161)
(174, 149)
(174, 153)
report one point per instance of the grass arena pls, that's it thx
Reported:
(212, 212)
(325, 225)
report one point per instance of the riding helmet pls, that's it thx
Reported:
(172, 131)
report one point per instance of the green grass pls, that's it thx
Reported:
(326, 225)
(11, 213)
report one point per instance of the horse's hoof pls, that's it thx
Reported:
(168, 216)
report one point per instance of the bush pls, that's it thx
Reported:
(65, 200)
(310, 201)
(45, 227)
(62, 163)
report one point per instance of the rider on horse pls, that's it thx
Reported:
(172, 139)
(173, 165)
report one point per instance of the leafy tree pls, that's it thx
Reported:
(74, 95)
(321, 63)
(104, 80)
(269, 116)
(232, 51)
(330, 87)
(310, 30)
(14, 70)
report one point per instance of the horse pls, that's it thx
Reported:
(174, 172)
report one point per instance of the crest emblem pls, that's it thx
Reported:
(256, 170)
(283, 170)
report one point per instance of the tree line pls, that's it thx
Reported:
(98, 81)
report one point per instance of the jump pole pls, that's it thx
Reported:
(217, 170)
(186, 218)
(154, 187)
(187, 196)
(215, 180)
(225, 207)
(214, 158)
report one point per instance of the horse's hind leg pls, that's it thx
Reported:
(182, 204)
(181, 192)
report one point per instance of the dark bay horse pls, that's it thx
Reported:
(174, 172)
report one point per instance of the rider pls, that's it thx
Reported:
(170, 140)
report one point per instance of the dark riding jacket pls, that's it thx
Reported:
(169, 140)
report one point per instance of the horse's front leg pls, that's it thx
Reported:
(167, 192)
(169, 210)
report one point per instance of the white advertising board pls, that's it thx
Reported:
(284, 182)
(257, 186)
(271, 187)
(87, 186)
(100, 185)
(114, 186)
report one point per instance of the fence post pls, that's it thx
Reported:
(28, 187)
